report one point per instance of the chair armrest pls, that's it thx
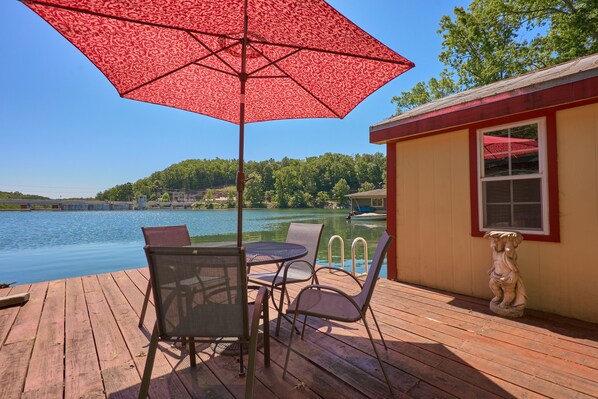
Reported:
(286, 267)
(327, 288)
(338, 269)
(253, 341)
(257, 309)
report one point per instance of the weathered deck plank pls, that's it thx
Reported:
(82, 370)
(165, 383)
(79, 338)
(8, 315)
(46, 367)
(117, 367)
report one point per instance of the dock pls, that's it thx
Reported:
(78, 338)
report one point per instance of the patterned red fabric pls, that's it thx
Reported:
(304, 58)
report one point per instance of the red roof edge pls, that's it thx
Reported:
(497, 106)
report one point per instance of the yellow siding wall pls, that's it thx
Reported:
(434, 244)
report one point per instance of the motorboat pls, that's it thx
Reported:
(367, 216)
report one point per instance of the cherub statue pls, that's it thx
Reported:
(505, 281)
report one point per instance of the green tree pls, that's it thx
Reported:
(254, 191)
(497, 39)
(300, 199)
(371, 168)
(366, 186)
(340, 190)
(287, 184)
(322, 199)
(423, 92)
(165, 197)
(208, 199)
(231, 195)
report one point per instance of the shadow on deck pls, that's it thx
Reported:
(79, 338)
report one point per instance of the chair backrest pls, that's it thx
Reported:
(213, 303)
(308, 235)
(166, 236)
(363, 298)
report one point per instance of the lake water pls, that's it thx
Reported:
(41, 246)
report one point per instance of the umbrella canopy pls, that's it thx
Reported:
(241, 61)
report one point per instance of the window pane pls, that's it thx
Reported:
(498, 216)
(496, 153)
(528, 216)
(527, 190)
(524, 149)
(529, 132)
(497, 191)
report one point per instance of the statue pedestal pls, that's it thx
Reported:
(509, 311)
(505, 281)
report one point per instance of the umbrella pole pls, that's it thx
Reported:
(241, 172)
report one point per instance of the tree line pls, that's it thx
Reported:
(288, 183)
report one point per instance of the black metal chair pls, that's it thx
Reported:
(296, 271)
(205, 313)
(331, 303)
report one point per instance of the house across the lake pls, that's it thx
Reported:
(519, 154)
(369, 202)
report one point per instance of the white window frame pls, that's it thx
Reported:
(542, 174)
(377, 202)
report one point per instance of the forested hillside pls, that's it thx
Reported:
(18, 195)
(295, 183)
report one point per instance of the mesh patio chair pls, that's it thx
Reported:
(205, 313)
(331, 303)
(296, 271)
(164, 236)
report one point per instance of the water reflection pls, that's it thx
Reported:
(277, 224)
(40, 246)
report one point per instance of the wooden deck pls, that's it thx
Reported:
(78, 338)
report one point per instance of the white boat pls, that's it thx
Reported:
(369, 216)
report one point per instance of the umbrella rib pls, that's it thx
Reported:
(319, 50)
(194, 62)
(216, 53)
(296, 82)
(217, 70)
(98, 14)
(269, 77)
(158, 77)
(269, 61)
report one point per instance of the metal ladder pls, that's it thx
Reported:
(353, 247)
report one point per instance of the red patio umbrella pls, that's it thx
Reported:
(497, 147)
(241, 61)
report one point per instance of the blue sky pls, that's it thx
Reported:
(65, 132)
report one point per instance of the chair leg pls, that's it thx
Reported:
(192, 356)
(378, 327)
(365, 323)
(149, 364)
(303, 328)
(278, 319)
(286, 360)
(145, 302)
(266, 317)
(241, 365)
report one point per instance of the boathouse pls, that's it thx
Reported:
(519, 154)
(369, 201)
